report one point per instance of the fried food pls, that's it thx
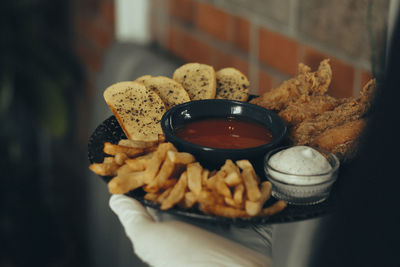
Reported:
(274, 208)
(189, 200)
(172, 178)
(180, 157)
(305, 83)
(177, 193)
(250, 180)
(315, 118)
(127, 181)
(238, 194)
(254, 207)
(139, 163)
(232, 177)
(112, 149)
(166, 170)
(224, 211)
(137, 143)
(105, 168)
(350, 110)
(156, 161)
(194, 177)
(307, 107)
(341, 140)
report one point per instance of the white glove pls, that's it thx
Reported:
(175, 243)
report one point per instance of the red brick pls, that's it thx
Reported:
(157, 3)
(89, 6)
(342, 73)
(182, 9)
(107, 12)
(221, 59)
(365, 77)
(312, 58)
(241, 33)
(82, 108)
(264, 82)
(187, 46)
(153, 25)
(278, 51)
(155, 21)
(175, 36)
(91, 59)
(93, 29)
(277, 81)
(342, 79)
(213, 21)
(89, 84)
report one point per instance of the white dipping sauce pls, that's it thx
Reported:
(301, 165)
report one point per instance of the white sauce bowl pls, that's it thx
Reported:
(295, 182)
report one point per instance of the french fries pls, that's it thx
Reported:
(106, 168)
(112, 149)
(126, 182)
(194, 177)
(254, 207)
(250, 180)
(139, 163)
(176, 194)
(161, 178)
(172, 178)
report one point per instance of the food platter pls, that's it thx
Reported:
(110, 131)
(229, 175)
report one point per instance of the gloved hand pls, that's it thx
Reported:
(175, 243)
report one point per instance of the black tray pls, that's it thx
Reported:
(110, 131)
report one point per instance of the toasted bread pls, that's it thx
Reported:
(137, 109)
(232, 84)
(171, 92)
(199, 80)
(143, 78)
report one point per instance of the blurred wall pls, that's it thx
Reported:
(94, 24)
(266, 39)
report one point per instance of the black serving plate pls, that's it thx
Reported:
(110, 131)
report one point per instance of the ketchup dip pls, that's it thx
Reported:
(225, 133)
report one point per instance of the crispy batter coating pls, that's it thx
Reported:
(307, 107)
(315, 118)
(305, 83)
(350, 110)
(306, 131)
(341, 140)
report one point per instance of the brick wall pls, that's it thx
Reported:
(94, 24)
(266, 39)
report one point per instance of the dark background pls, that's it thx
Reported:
(42, 211)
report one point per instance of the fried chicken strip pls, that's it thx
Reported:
(307, 107)
(352, 109)
(341, 140)
(305, 83)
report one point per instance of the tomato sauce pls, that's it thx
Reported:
(227, 133)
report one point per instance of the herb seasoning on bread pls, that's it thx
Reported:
(232, 84)
(137, 109)
(170, 91)
(199, 80)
